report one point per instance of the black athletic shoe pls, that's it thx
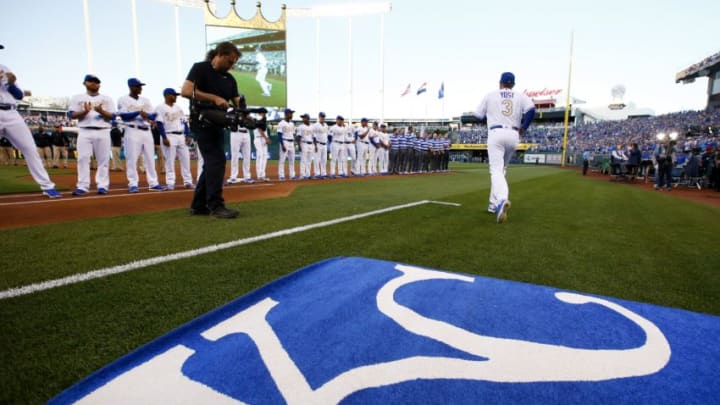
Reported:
(224, 213)
(199, 211)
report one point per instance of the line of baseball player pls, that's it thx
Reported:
(368, 150)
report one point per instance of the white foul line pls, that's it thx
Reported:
(77, 278)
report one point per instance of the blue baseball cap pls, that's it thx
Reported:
(91, 78)
(134, 82)
(507, 78)
(289, 111)
(322, 114)
(364, 120)
(340, 117)
(306, 115)
(169, 91)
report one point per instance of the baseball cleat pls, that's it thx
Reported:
(79, 192)
(170, 187)
(502, 210)
(102, 191)
(491, 208)
(133, 189)
(158, 187)
(52, 193)
(189, 186)
(248, 181)
(281, 178)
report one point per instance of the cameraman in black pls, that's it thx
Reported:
(209, 86)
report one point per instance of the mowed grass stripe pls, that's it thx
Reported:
(37, 287)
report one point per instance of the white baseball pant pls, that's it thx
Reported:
(178, 149)
(93, 142)
(308, 151)
(351, 153)
(261, 156)
(289, 155)
(362, 150)
(240, 144)
(13, 127)
(139, 141)
(321, 160)
(339, 158)
(502, 143)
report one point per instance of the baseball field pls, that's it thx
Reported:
(564, 230)
(253, 93)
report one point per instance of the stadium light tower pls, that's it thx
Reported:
(349, 10)
(177, 3)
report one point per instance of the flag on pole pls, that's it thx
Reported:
(422, 89)
(441, 92)
(406, 92)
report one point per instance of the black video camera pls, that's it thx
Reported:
(202, 112)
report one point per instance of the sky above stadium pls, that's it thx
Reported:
(464, 44)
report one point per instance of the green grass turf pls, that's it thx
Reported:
(253, 93)
(17, 179)
(563, 230)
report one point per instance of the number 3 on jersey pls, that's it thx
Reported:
(507, 108)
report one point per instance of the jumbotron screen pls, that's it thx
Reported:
(261, 72)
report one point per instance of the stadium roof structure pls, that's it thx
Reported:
(605, 113)
(705, 67)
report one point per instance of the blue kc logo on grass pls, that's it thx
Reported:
(356, 330)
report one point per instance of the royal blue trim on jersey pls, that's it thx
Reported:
(161, 129)
(527, 118)
(152, 116)
(329, 139)
(186, 128)
(129, 116)
(15, 91)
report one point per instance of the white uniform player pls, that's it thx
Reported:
(261, 141)
(509, 114)
(383, 152)
(173, 128)
(13, 127)
(373, 149)
(362, 145)
(351, 148)
(320, 136)
(340, 134)
(307, 146)
(262, 70)
(240, 144)
(135, 111)
(93, 112)
(286, 141)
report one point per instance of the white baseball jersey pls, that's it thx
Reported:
(306, 133)
(286, 130)
(320, 132)
(504, 108)
(128, 104)
(5, 96)
(173, 118)
(384, 139)
(93, 118)
(341, 133)
(363, 133)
